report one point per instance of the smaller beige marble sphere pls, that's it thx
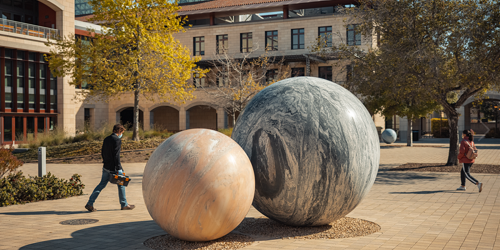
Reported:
(198, 185)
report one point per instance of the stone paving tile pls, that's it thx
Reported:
(415, 210)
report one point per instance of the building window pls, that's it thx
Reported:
(272, 40)
(353, 36)
(199, 46)
(222, 44)
(8, 83)
(325, 72)
(298, 72)
(43, 85)
(297, 38)
(246, 42)
(349, 72)
(199, 81)
(31, 83)
(53, 92)
(325, 35)
(7, 128)
(86, 116)
(26, 97)
(271, 75)
(20, 81)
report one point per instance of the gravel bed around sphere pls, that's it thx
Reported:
(230, 241)
(343, 228)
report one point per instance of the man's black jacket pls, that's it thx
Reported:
(111, 153)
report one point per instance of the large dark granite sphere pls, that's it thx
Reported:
(314, 149)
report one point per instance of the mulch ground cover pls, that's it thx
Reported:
(430, 167)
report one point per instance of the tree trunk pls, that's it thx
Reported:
(135, 135)
(409, 136)
(234, 119)
(454, 143)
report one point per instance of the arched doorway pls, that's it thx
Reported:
(127, 118)
(165, 118)
(202, 116)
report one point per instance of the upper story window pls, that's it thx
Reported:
(297, 38)
(246, 42)
(18, 10)
(272, 40)
(325, 35)
(222, 44)
(199, 46)
(199, 81)
(353, 36)
(325, 72)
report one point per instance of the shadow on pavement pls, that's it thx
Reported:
(487, 147)
(129, 235)
(388, 177)
(432, 192)
(51, 212)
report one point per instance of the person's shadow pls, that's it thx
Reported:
(128, 235)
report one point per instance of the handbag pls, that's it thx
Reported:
(121, 180)
(471, 153)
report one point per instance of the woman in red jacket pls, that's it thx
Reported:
(465, 145)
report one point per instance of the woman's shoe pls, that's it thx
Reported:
(462, 188)
(480, 187)
(128, 207)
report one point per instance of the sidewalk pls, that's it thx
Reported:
(415, 211)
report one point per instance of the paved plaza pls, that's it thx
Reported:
(416, 210)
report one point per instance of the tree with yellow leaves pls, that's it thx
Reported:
(134, 52)
(232, 82)
(427, 51)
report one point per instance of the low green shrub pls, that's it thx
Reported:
(445, 133)
(435, 127)
(17, 189)
(8, 162)
(493, 133)
(227, 131)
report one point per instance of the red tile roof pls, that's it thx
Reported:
(216, 4)
(84, 18)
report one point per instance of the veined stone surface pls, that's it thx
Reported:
(389, 136)
(314, 149)
(198, 185)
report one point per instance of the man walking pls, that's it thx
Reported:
(111, 158)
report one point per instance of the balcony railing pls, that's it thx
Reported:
(28, 29)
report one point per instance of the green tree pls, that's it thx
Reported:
(448, 49)
(135, 52)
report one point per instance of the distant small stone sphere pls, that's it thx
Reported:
(389, 136)
(198, 185)
(314, 148)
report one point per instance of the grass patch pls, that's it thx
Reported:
(227, 131)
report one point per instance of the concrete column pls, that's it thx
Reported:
(403, 129)
(461, 119)
(182, 119)
(220, 118)
(146, 117)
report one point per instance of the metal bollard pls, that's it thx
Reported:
(42, 168)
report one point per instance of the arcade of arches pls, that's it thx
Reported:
(176, 119)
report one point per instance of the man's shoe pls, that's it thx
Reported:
(128, 207)
(461, 188)
(90, 208)
(480, 187)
